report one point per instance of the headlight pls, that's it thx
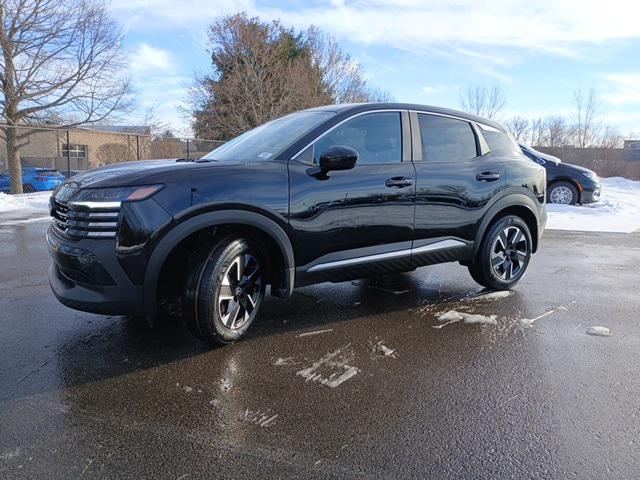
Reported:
(112, 197)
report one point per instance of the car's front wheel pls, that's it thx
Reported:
(504, 254)
(563, 193)
(224, 290)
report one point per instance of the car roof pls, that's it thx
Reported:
(351, 108)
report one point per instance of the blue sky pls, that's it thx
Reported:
(537, 51)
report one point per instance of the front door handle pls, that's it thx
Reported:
(398, 182)
(488, 176)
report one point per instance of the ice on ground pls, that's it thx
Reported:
(331, 370)
(599, 331)
(383, 350)
(481, 319)
(38, 201)
(468, 318)
(492, 295)
(451, 316)
(617, 211)
(283, 361)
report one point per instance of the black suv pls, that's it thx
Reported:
(326, 194)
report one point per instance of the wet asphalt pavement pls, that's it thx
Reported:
(85, 396)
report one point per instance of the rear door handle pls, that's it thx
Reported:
(398, 182)
(488, 176)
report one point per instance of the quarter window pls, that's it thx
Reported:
(446, 139)
(377, 137)
(499, 141)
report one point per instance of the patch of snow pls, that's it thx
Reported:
(38, 201)
(383, 350)
(451, 316)
(599, 331)
(481, 319)
(469, 318)
(492, 295)
(332, 369)
(617, 211)
(316, 332)
(283, 361)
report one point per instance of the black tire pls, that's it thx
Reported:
(233, 268)
(563, 193)
(501, 268)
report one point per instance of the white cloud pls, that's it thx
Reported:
(544, 25)
(622, 88)
(437, 89)
(146, 59)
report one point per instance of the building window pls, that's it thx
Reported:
(74, 151)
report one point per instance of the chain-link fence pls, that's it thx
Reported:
(36, 158)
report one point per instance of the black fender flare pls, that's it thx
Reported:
(507, 201)
(210, 219)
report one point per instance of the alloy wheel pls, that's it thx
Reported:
(562, 195)
(509, 253)
(239, 292)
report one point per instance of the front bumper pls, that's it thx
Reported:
(591, 193)
(86, 275)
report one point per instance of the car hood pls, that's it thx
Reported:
(575, 168)
(138, 173)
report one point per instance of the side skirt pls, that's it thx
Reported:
(424, 252)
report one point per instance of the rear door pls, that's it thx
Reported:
(454, 180)
(345, 222)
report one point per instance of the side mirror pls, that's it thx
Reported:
(338, 157)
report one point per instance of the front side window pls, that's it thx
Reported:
(446, 139)
(377, 137)
(270, 139)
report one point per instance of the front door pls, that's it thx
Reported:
(341, 223)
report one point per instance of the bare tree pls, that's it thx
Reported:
(342, 77)
(481, 101)
(518, 127)
(537, 132)
(611, 138)
(556, 132)
(586, 113)
(60, 59)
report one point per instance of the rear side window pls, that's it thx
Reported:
(446, 139)
(377, 137)
(499, 141)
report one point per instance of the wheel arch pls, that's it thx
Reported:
(518, 204)
(240, 219)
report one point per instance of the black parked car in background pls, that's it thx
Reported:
(327, 194)
(566, 184)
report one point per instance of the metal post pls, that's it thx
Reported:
(187, 148)
(68, 155)
(138, 146)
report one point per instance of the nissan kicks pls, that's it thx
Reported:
(327, 194)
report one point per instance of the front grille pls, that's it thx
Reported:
(74, 221)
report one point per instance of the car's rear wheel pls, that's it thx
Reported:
(563, 193)
(224, 290)
(504, 254)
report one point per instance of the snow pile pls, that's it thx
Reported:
(31, 202)
(617, 211)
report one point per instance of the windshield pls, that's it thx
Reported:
(268, 140)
